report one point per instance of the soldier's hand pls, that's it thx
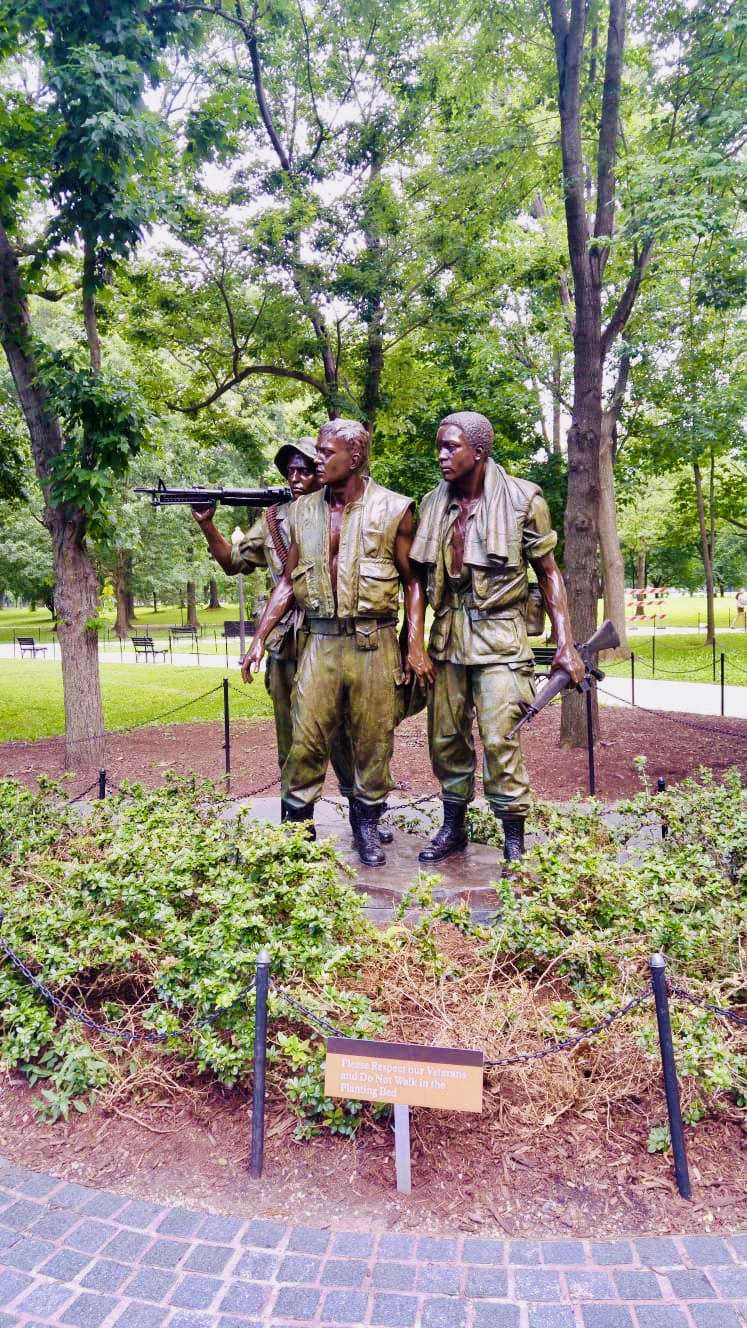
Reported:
(421, 664)
(568, 659)
(252, 659)
(203, 515)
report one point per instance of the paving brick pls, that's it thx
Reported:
(104, 1204)
(263, 1235)
(565, 1252)
(139, 1214)
(65, 1265)
(612, 1252)
(105, 1275)
(12, 1175)
(583, 1285)
(21, 1214)
(46, 1300)
(11, 1285)
(394, 1246)
(444, 1278)
(55, 1223)
(340, 1272)
(7, 1321)
(299, 1268)
(551, 1316)
(536, 1284)
(127, 1245)
(308, 1240)
(88, 1311)
(660, 1316)
(639, 1284)
(150, 1284)
(486, 1282)
(138, 1315)
(689, 1285)
(739, 1245)
(394, 1311)
(492, 1315)
(483, 1251)
(730, 1282)
(188, 1320)
(26, 1252)
(444, 1314)
(248, 1298)
(35, 1186)
(707, 1250)
(7, 1237)
(196, 1293)
(715, 1315)
(179, 1222)
(296, 1302)
(607, 1316)
(390, 1276)
(208, 1258)
(165, 1253)
(89, 1235)
(353, 1244)
(220, 1228)
(347, 1307)
(657, 1251)
(257, 1265)
(437, 1248)
(524, 1252)
(73, 1195)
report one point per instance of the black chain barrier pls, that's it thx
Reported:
(684, 995)
(316, 1020)
(674, 719)
(526, 1057)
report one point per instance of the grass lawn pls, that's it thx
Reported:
(685, 658)
(31, 692)
(39, 623)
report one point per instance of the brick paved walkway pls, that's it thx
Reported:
(70, 1255)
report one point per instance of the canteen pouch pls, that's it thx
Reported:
(534, 612)
(366, 635)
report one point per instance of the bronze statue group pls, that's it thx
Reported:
(342, 675)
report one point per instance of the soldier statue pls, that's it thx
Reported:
(267, 545)
(479, 530)
(349, 554)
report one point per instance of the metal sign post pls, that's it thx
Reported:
(402, 1148)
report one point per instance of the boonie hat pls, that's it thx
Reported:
(306, 446)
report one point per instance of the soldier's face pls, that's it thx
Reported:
(301, 475)
(456, 456)
(335, 462)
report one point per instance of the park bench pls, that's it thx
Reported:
(183, 633)
(143, 645)
(543, 656)
(29, 647)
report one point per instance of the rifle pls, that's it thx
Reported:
(605, 638)
(200, 497)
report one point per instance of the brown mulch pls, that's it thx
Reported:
(674, 746)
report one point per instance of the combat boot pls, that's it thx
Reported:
(299, 815)
(385, 835)
(451, 838)
(513, 837)
(367, 833)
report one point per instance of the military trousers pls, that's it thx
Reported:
(338, 686)
(493, 692)
(279, 678)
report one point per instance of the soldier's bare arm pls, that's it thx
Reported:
(277, 605)
(552, 586)
(417, 660)
(217, 543)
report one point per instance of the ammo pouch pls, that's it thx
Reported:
(534, 611)
(366, 633)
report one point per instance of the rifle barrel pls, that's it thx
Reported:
(161, 496)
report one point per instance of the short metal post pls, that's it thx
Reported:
(661, 785)
(102, 784)
(723, 679)
(197, 643)
(713, 657)
(227, 733)
(632, 677)
(653, 655)
(590, 741)
(669, 1069)
(261, 988)
(225, 637)
(402, 1148)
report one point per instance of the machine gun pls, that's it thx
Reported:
(200, 497)
(605, 638)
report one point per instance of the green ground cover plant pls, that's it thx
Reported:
(149, 914)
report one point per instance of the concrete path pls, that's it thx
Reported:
(695, 698)
(71, 1255)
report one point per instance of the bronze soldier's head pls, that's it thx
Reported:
(341, 450)
(297, 463)
(463, 442)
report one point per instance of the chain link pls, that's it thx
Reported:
(684, 723)
(526, 1057)
(310, 1016)
(683, 994)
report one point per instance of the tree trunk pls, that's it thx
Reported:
(122, 574)
(613, 563)
(640, 580)
(706, 555)
(191, 605)
(155, 602)
(213, 599)
(76, 586)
